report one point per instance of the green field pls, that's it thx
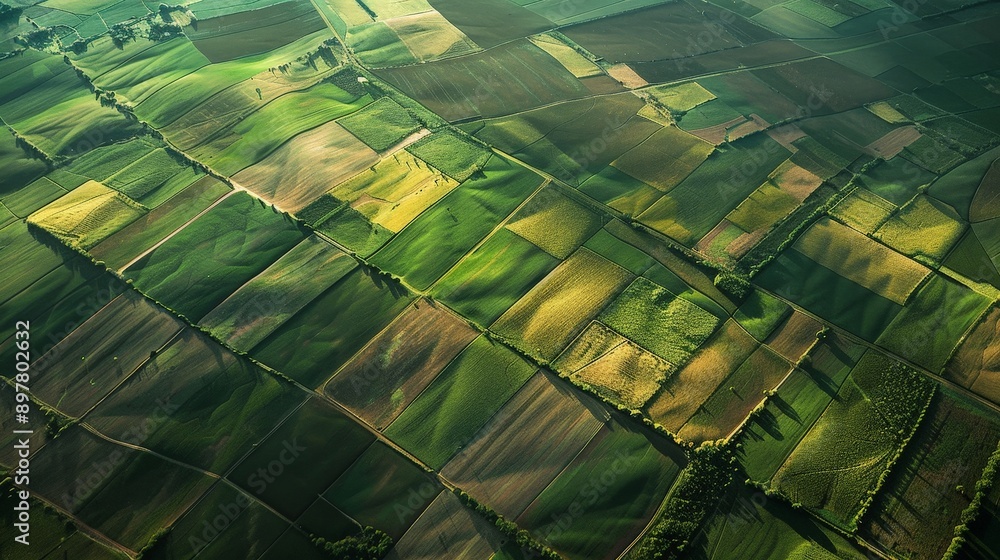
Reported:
(655, 318)
(488, 281)
(370, 489)
(382, 124)
(439, 237)
(213, 395)
(214, 255)
(316, 341)
(87, 215)
(760, 314)
(269, 299)
(459, 401)
(622, 475)
(929, 327)
(552, 313)
(844, 455)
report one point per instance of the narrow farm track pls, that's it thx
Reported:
(176, 231)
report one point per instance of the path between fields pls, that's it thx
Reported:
(851, 336)
(176, 231)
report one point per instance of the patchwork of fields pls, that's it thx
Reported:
(501, 279)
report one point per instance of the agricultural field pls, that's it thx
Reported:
(439, 238)
(548, 317)
(449, 412)
(220, 250)
(856, 440)
(500, 279)
(396, 366)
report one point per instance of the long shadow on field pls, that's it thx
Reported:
(823, 381)
(786, 408)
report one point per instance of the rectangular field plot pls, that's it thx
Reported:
(210, 258)
(317, 443)
(52, 107)
(128, 495)
(861, 260)
(638, 35)
(826, 293)
(655, 318)
(488, 281)
(511, 460)
(975, 365)
(856, 439)
(919, 506)
(438, 239)
(19, 244)
(773, 435)
(382, 124)
(301, 170)
(250, 140)
(623, 476)
(927, 330)
(683, 395)
(571, 140)
(317, 340)
(392, 369)
(241, 34)
(196, 404)
(665, 158)
(696, 205)
(614, 366)
(85, 366)
(461, 400)
(550, 206)
(394, 191)
(738, 394)
(251, 527)
(748, 524)
(372, 490)
(149, 229)
(269, 299)
(510, 78)
(761, 314)
(448, 529)
(549, 316)
(87, 215)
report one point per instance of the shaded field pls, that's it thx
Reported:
(605, 497)
(549, 316)
(317, 340)
(211, 257)
(738, 394)
(269, 299)
(511, 460)
(512, 77)
(86, 365)
(195, 395)
(450, 411)
(488, 281)
(976, 364)
(317, 463)
(371, 489)
(384, 377)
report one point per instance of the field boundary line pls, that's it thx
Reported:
(176, 231)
